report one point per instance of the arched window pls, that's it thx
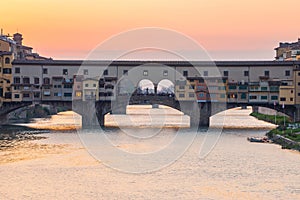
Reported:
(146, 87)
(7, 60)
(165, 87)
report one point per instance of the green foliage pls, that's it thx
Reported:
(271, 118)
(292, 134)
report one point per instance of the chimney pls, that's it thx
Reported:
(1, 31)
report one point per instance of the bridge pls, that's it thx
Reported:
(201, 89)
(93, 112)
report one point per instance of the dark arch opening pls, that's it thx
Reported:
(7, 60)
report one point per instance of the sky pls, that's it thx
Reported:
(226, 29)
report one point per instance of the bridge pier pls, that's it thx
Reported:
(199, 113)
(87, 110)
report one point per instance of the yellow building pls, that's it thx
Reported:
(6, 58)
(297, 84)
(287, 93)
(184, 91)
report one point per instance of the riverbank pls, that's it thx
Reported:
(288, 137)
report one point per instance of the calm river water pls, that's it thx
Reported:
(233, 169)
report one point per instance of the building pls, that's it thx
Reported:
(42, 82)
(25, 52)
(7, 54)
(11, 49)
(288, 51)
(240, 82)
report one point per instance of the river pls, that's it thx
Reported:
(233, 169)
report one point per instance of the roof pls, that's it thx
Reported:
(25, 47)
(167, 62)
(4, 53)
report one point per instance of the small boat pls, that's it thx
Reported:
(256, 139)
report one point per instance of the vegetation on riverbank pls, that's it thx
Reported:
(271, 118)
(287, 136)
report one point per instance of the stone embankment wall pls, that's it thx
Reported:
(285, 142)
(268, 111)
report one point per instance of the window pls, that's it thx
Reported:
(45, 71)
(225, 73)
(243, 87)
(86, 85)
(205, 73)
(65, 71)
(222, 96)
(36, 94)
(165, 73)
(298, 73)
(201, 87)
(46, 80)
(222, 88)
(6, 71)
(232, 95)
(145, 73)
(201, 95)
(213, 87)
(264, 88)
(287, 73)
(125, 72)
(7, 61)
(17, 80)
(291, 99)
(78, 94)
(57, 94)
(105, 72)
(16, 87)
(181, 95)
(68, 86)
(17, 96)
(267, 73)
(185, 73)
(86, 72)
(232, 87)
(17, 70)
(246, 73)
(253, 97)
(282, 99)
(94, 85)
(264, 97)
(26, 95)
(243, 96)
(274, 88)
(36, 80)
(68, 94)
(292, 91)
(274, 98)
(26, 80)
(299, 94)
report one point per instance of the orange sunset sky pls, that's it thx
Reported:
(227, 29)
